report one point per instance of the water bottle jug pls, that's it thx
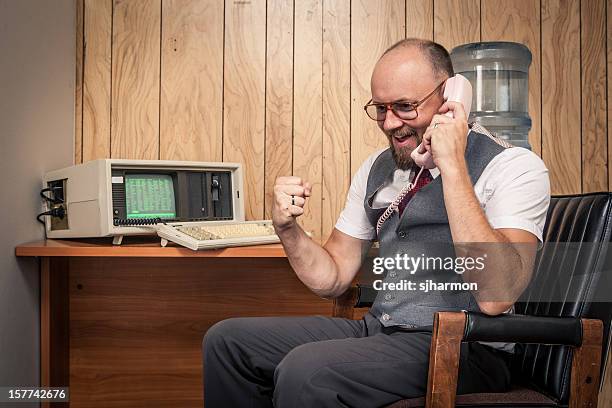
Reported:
(499, 74)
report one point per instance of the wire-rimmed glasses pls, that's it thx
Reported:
(402, 109)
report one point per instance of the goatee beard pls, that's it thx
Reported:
(402, 158)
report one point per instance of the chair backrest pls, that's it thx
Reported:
(571, 219)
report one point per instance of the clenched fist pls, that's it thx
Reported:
(289, 198)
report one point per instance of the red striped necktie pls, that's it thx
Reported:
(421, 182)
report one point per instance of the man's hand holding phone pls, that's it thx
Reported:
(446, 137)
(456, 109)
(289, 198)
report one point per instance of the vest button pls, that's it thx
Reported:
(386, 317)
(388, 296)
(402, 234)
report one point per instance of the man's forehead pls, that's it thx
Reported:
(402, 74)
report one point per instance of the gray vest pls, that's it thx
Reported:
(422, 231)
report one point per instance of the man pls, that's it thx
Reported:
(479, 192)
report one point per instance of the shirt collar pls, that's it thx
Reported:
(434, 172)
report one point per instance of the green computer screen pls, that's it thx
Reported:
(149, 196)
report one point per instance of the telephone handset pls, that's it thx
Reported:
(457, 89)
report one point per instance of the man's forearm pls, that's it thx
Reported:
(502, 279)
(313, 265)
(467, 221)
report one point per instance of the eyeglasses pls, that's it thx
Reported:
(403, 110)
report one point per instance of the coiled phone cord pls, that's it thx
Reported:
(393, 207)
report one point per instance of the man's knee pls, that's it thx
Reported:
(299, 376)
(225, 332)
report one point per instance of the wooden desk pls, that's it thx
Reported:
(122, 326)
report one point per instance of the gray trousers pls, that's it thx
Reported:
(331, 362)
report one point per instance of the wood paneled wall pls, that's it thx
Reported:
(279, 85)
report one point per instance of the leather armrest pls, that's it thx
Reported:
(507, 328)
(515, 328)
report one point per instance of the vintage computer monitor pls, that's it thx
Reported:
(115, 198)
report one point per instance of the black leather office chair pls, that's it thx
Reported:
(559, 356)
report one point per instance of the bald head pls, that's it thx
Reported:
(410, 67)
(437, 56)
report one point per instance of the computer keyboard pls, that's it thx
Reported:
(205, 235)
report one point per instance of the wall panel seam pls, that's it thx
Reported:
(159, 98)
(580, 115)
(539, 74)
(322, 122)
(110, 93)
(265, 124)
(82, 78)
(223, 90)
(607, 100)
(293, 94)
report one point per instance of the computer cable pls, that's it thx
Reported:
(55, 212)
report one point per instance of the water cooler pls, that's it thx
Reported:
(499, 74)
